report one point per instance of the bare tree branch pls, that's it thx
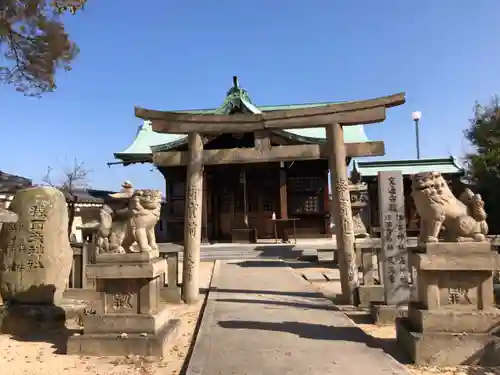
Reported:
(71, 178)
(74, 177)
(47, 180)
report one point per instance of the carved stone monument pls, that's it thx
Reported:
(395, 269)
(454, 321)
(35, 253)
(6, 216)
(129, 318)
(35, 262)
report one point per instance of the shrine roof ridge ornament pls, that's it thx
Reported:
(345, 113)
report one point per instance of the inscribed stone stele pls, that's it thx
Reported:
(35, 253)
(395, 268)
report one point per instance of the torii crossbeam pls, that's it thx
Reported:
(332, 116)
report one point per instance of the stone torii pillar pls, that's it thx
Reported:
(192, 220)
(341, 211)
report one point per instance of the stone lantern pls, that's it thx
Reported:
(359, 202)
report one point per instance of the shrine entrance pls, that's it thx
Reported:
(242, 196)
(333, 117)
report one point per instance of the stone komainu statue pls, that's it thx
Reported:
(132, 221)
(464, 219)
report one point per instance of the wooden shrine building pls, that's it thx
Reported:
(367, 172)
(9, 185)
(243, 193)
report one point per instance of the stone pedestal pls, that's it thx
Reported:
(171, 293)
(454, 320)
(129, 318)
(27, 320)
(371, 290)
(369, 294)
(383, 314)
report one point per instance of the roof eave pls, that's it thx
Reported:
(431, 161)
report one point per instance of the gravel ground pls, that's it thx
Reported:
(39, 356)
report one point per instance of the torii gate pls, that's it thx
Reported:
(332, 116)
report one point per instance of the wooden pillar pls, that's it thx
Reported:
(243, 178)
(192, 220)
(327, 205)
(204, 218)
(341, 211)
(85, 262)
(283, 194)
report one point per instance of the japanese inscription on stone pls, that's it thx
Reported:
(393, 238)
(27, 241)
(192, 210)
(34, 245)
(459, 296)
(122, 301)
(35, 255)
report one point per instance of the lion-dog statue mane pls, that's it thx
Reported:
(129, 220)
(463, 219)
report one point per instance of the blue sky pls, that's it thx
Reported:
(182, 54)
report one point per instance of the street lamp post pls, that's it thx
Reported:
(416, 117)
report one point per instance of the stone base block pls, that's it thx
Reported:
(246, 235)
(370, 293)
(126, 266)
(448, 349)
(171, 295)
(82, 294)
(475, 256)
(387, 314)
(113, 344)
(327, 255)
(314, 276)
(130, 323)
(332, 275)
(454, 319)
(22, 319)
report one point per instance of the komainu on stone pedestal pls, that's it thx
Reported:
(463, 219)
(129, 220)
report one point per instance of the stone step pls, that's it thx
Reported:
(313, 276)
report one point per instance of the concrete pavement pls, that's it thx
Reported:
(263, 318)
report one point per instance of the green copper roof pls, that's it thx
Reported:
(237, 99)
(407, 167)
(140, 149)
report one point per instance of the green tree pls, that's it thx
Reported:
(34, 43)
(483, 165)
